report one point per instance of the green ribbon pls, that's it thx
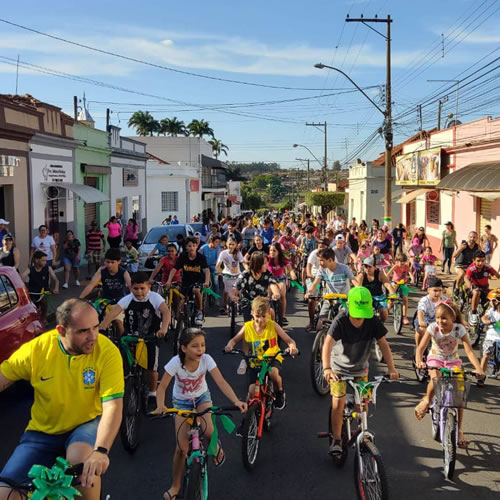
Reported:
(125, 342)
(365, 388)
(209, 291)
(297, 285)
(229, 427)
(497, 326)
(52, 484)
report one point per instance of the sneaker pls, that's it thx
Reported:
(242, 367)
(198, 318)
(335, 448)
(473, 319)
(65, 285)
(239, 429)
(152, 394)
(77, 283)
(280, 401)
(284, 321)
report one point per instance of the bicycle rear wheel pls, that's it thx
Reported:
(397, 314)
(449, 445)
(320, 385)
(251, 439)
(194, 482)
(132, 403)
(372, 482)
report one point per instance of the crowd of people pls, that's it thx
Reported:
(250, 260)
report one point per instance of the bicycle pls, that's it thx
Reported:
(43, 304)
(450, 393)
(134, 354)
(476, 331)
(320, 385)
(493, 366)
(57, 482)
(417, 270)
(397, 307)
(103, 306)
(260, 407)
(460, 296)
(370, 476)
(195, 482)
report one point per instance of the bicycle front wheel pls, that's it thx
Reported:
(449, 445)
(130, 426)
(320, 385)
(194, 482)
(371, 482)
(251, 439)
(397, 314)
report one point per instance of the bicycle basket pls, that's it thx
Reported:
(451, 392)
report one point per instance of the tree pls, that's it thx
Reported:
(199, 128)
(257, 167)
(337, 165)
(250, 200)
(234, 174)
(326, 200)
(144, 123)
(218, 147)
(172, 127)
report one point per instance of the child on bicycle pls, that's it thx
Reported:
(445, 334)
(189, 369)
(132, 256)
(262, 334)
(229, 262)
(363, 252)
(346, 352)
(428, 261)
(492, 319)
(415, 252)
(397, 273)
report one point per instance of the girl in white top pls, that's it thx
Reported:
(229, 263)
(189, 369)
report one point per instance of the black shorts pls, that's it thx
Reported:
(253, 373)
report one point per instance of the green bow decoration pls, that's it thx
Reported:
(297, 285)
(52, 484)
(211, 292)
(124, 342)
(229, 427)
(497, 326)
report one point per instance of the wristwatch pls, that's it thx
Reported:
(101, 449)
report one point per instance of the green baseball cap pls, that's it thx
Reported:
(359, 302)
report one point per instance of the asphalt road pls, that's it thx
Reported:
(292, 462)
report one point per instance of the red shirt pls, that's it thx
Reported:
(478, 277)
(166, 266)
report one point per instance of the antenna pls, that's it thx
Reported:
(442, 44)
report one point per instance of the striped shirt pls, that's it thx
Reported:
(94, 240)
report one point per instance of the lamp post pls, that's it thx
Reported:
(312, 154)
(387, 134)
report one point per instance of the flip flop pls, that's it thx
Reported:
(218, 459)
(421, 409)
(170, 497)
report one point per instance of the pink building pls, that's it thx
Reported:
(470, 198)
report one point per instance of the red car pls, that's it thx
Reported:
(19, 317)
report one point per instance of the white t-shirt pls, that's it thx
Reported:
(428, 307)
(44, 244)
(189, 385)
(154, 298)
(231, 264)
(445, 345)
(492, 334)
(313, 259)
(337, 225)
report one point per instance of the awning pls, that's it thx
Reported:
(481, 177)
(412, 195)
(88, 194)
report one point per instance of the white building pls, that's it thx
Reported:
(128, 177)
(171, 189)
(234, 197)
(366, 190)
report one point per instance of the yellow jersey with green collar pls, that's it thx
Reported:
(69, 390)
(264, 343)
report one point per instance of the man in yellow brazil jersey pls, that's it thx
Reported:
(77, 377)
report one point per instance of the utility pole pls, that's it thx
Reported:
(308, 169)
(388, 112)
(325, 165)
(419, 111)
(440, 107)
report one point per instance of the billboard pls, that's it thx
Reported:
(421, 168)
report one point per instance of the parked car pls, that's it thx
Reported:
(19, 317)
(154, 235)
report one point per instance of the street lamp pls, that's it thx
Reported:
(321, 164)
(387, 136)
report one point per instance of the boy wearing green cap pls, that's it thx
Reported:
(346, 353)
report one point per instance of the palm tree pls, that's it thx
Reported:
(144, 123)
(218, 147)
(199, 128)
(172, 127)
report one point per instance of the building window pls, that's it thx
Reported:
(432, 207)
(169, 201)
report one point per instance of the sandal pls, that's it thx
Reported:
(170, 497)
(421, 409)
(309, 328)
(405, 321)
(220, 457)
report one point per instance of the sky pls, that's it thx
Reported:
(248, 67)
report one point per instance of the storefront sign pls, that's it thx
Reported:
(54, 173)
(130, 177)
(194, 185)
(7, 165)
(422, 168)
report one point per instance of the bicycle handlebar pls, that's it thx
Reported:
(285, 354)
(169, 412)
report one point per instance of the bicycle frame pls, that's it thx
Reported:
(262, 394)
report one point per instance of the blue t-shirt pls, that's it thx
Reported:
(267, 235)
(211, 254)
(162, 250)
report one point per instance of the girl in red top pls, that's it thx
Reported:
(278, 265)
